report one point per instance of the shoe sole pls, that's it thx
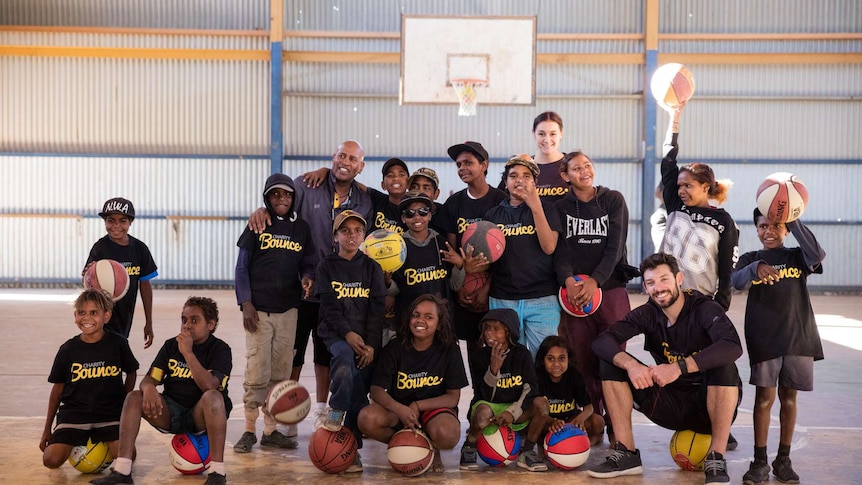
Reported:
(787, 481)
(638, 470)
(242, 449)
(469, 468)
(333, 428)
(289, 446)
(534, 468)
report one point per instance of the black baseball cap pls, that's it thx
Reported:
(393, 162)
(473, 147)
(118, 205)
(415, 196)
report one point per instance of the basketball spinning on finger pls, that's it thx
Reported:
(672, 85)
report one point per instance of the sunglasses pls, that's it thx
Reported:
(410, 213)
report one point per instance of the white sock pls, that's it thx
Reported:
(123, 465)
(319, 407)
(216, 467)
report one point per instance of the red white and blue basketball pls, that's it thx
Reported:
(485, 237)
(288, 402)
(91, 458)
(387, 248)
(498, 446)
(410, 453)
(689, 449)
(582, 311)
(190, 453)
(672, 84)
(782, 197)
(568, 448)
(108, 275)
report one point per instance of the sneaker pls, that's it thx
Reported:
(758, 472)
(246, 441)
(731, 442)
(335, 420)
(215, 479)
(356, 466)
(468, 457)
(291, 431)
(715, 468)
(621, 462)
(114, 479)
(320, 414)
(783, 471)
(530, 461)
(278, 440)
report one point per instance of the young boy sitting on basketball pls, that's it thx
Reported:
(505, 386)
(780, 333)
(352, 307)
(88, 385)
(194, 367)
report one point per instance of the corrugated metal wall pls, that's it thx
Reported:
(798, 113)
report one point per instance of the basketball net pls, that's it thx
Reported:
(466, 90)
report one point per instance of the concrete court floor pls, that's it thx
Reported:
(827, 442)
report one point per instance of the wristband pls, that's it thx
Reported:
(682, 366)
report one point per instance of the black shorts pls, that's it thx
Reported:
(306, 324)
(677, 406)
(77, 434)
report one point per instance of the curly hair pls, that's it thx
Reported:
(444, 334)
(99, 297)
(207, 305)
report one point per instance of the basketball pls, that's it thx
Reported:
(672, 84)
(410, 453)
(585, 310)
(474, 281)
(568, 448)
(190, 453)
(108, 275)
(485, 237)
(782, 197)
(288, 402)
(332, 452)
(498, 446)
(387, 248)
(689, 449)
(90, 458)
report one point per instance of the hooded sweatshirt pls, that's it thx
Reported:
(271, 265)
(593, 238)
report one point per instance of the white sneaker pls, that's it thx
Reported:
(320, 413)
(290, 431)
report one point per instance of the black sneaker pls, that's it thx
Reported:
(715, 468)
(468, 457)
(731, 442)
(621, 462)
(246, 441)
(215, 479)
(278, 440)
(783, 471)
(758, 472)
(114, 479)
(529, 460)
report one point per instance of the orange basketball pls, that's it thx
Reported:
(485, 237)
(474, 281)
(782, 197)
(409, 453)
(332, 452)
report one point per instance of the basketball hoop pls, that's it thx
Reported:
(466, 90)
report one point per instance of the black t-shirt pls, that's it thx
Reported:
(385, 214)
(461, 210)
(424, 271)
(170, 368)
(524, 270)
(566, 398)
(779, 319)
(550, 183)
(278, 258)
(92, 377)
(138, 261)
(409, 375)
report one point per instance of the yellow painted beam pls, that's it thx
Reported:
(343, 57)
(134, 53)
(276, 20)
(767, 36)
(651, 18)
(590, 58)
(772, 58)
(133, 31)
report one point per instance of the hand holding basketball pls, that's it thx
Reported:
(408, 417)
(503, 419)
(581, 292)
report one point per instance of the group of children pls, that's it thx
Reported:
(531, 368)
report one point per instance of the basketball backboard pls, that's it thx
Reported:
(499, 50)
